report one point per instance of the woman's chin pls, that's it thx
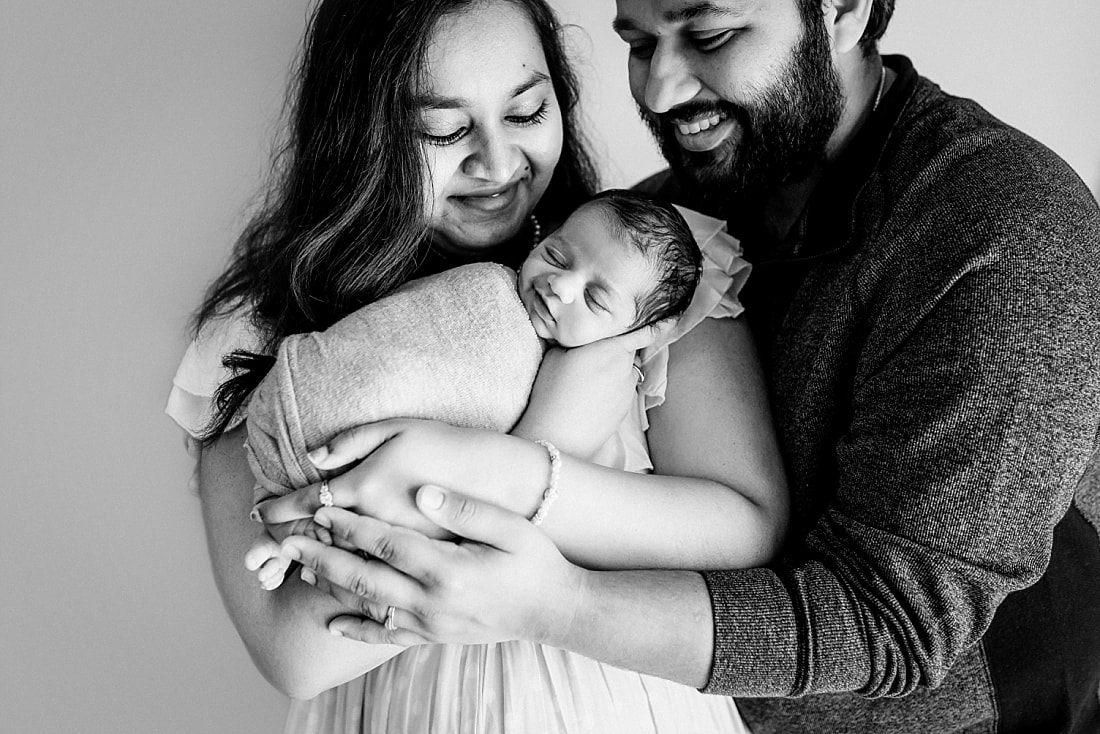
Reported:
(472, 237)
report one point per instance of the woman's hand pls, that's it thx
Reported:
(505, 581)
(581, 395)
(397, 457)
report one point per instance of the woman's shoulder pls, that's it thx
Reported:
(201, 371)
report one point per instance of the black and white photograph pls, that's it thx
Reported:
(550, 367)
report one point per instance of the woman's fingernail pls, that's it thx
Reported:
(292, 552)
(431, 498)
(309, 577)
(335, 632)
(318, 454)
(255, 515)
(322, 520)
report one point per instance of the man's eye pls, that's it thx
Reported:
(448, 139)
(709, 41)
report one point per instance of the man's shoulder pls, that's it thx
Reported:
(950, 160)
(662, 184)
(954, 139)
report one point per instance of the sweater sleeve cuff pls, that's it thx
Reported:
(755, 640)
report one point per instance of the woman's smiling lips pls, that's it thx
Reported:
(490, 200)
(703, 133)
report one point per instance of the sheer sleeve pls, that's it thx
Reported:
(200, 372)
(724, 274)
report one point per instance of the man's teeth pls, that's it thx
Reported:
(697, 126)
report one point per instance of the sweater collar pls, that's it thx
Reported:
(829, 213)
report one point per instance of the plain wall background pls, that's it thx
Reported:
(133, 134)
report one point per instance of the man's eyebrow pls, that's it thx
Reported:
(684, 14)
(436, 102)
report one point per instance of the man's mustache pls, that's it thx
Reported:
(690, 111)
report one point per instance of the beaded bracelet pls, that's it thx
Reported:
(551, 492)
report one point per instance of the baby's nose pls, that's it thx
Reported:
(562, 287)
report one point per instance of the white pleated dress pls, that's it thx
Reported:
(510, 687)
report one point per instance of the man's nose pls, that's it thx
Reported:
(670, 82)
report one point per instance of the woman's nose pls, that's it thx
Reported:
(670, 81)
(494, 158)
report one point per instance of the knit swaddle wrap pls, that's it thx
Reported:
(457, 347)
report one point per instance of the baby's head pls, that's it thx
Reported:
(621, 261)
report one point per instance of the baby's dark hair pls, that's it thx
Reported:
(662, 235)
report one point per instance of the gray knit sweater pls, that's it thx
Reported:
(931, 336)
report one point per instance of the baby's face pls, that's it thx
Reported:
(581, 284)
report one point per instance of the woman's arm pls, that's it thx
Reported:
(718, 497)
(582, 395)
(508, 581)
(720, 501)
(284, 630)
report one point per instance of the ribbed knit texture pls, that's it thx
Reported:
(933, 350)
(456, 347)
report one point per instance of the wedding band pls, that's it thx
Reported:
(638, 372)
(390, 624)
(325, 495)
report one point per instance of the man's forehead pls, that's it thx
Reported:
(678, 11)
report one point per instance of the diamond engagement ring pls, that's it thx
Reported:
(325, 495)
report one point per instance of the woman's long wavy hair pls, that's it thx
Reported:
(342, 223)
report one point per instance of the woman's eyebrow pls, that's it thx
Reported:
(437, 102)
(537, 78)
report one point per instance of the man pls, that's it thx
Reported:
(925, 297)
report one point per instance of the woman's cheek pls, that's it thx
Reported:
(549, 147)
(439, 169)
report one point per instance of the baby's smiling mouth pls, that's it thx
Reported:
(541, 306)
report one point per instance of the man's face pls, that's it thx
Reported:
(740, 94)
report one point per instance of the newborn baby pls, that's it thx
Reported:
(464, 346)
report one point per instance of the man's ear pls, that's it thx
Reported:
(845, 21)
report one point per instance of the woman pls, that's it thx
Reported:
(472, 133)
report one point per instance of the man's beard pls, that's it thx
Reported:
(782, 137)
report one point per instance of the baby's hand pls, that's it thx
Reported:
(265, 556)
(266, 560)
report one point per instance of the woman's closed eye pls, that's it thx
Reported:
(436, 135)
(534, 118)
(442, 139)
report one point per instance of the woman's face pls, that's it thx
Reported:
(490, 124)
